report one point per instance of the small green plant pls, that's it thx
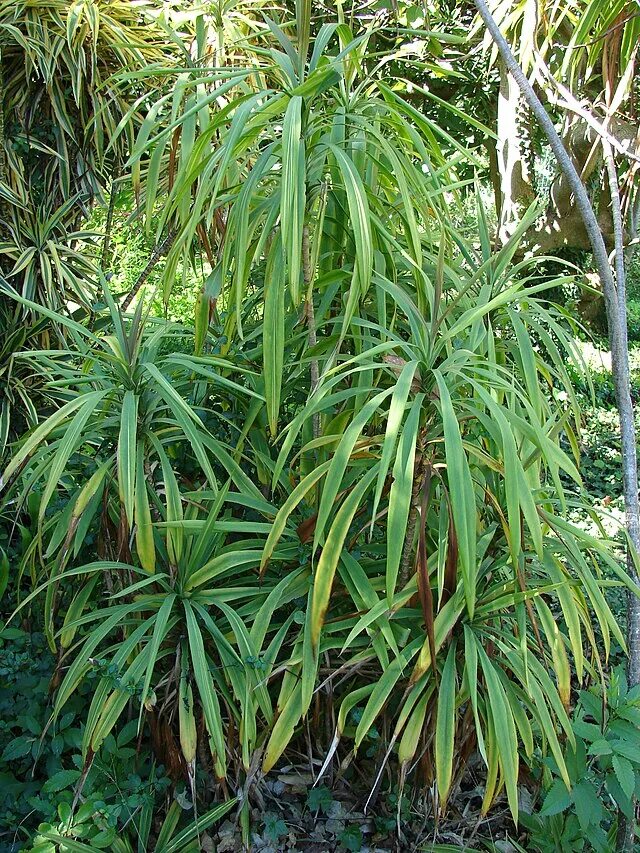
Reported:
(603, 761)
(351, 838)
(274, 826)
(40, 763)
(320, 799)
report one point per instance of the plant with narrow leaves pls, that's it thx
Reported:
(60, 102)
(440, 442)
(125, 405)
(312, 167)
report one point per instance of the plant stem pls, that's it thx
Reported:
(159, 250)
(106, 245)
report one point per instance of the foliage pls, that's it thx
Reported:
(331, 514)
(190, 554)
(60, 107)
(38, 251)
(587, 43)
(129, 251)
(328, 145)
(42, 763)
(61, 104)
(604, 773)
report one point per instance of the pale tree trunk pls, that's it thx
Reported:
(613, 292)
(561, 224)
(629, 461)
(516, 182)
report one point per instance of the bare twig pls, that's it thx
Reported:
(158, 252)
(105, 257)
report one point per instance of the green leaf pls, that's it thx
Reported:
(274, 826)
(38, 436)
(206, 690)
(600, 747)
(400, 496)
(351, 838)
(504, 729)
(327, 564)
(17, 748)
(127, 453)
(4, 576)
(394, 420)
(144, 527)
(283, 729)
(445, 725)
(197, 826)
(273, 333)
(625, 774)
(557, 799)
(293, 499)
(461, 489)
(340, 461)
(319, 799)
(66, 843)
(361, 228)
(588, 805)
(61, 780)
(292, 194)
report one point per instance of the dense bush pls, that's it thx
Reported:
(329, 524)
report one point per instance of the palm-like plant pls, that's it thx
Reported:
(124, 406)
(452, 448)
(198, 621)
(47, 263)
(60, 104)
(588, 44)
(411, 523)
(127, 408)
(305, 161)
(59, 110)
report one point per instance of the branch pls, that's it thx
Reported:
(159, 250)
(625, 828)
(571, 103)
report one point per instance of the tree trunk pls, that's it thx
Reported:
(630, 465)
(516, 181)
(561, 224)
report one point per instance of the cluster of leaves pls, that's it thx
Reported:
(603, 758)
(60, 107)
(600, 439)
(41, 763)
